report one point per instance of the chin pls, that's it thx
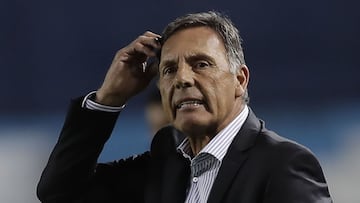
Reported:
(190, 126)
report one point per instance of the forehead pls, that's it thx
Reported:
(191, 41)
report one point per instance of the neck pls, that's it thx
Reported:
(199, 139)
(198, 143)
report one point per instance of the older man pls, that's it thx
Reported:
(227, 154)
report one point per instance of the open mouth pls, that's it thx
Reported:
(189, 103)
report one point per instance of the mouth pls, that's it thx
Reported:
(189, 103)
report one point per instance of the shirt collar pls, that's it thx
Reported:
(219, 145)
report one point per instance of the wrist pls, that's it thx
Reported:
(109, 99)
(89, 103)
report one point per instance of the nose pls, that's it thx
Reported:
(184, 77)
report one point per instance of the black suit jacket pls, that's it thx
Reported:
(260, 166)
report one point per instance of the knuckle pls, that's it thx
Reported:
(147, 32)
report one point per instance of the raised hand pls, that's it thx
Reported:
(127, 76)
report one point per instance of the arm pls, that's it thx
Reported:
(72, 173)
(298, 179)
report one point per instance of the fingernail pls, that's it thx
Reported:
(158, 39)
(144, 67)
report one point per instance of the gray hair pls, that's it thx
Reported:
(220, 24)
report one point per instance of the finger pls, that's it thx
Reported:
(152, 42)
(145, 45)
(143, 49)
(147, 70)
(151, 34)
(156, 41)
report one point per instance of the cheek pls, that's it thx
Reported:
(166, 103)
(225, 94)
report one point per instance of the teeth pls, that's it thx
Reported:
(189, 103)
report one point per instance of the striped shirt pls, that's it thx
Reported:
(92, 105)
(205, 165)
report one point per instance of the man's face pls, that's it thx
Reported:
(200, 95)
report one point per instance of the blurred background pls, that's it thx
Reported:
(304, 77)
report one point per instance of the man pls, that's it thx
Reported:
(227, 156)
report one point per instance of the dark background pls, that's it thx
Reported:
(303, 58)
(297, 51)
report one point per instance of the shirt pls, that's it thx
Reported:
(92, 105)
(205, 165)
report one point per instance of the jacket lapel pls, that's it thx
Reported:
(170, 171)
(235, 157)
(175, 179)
(168, 180)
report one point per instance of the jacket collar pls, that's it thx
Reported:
(170, 171)
(235, 157)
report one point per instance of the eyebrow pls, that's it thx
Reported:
(200, 56)
(167, 63)
(190, 58)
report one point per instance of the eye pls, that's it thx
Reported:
(168, 70)
(201, 64)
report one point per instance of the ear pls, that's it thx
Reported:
(242, 80)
